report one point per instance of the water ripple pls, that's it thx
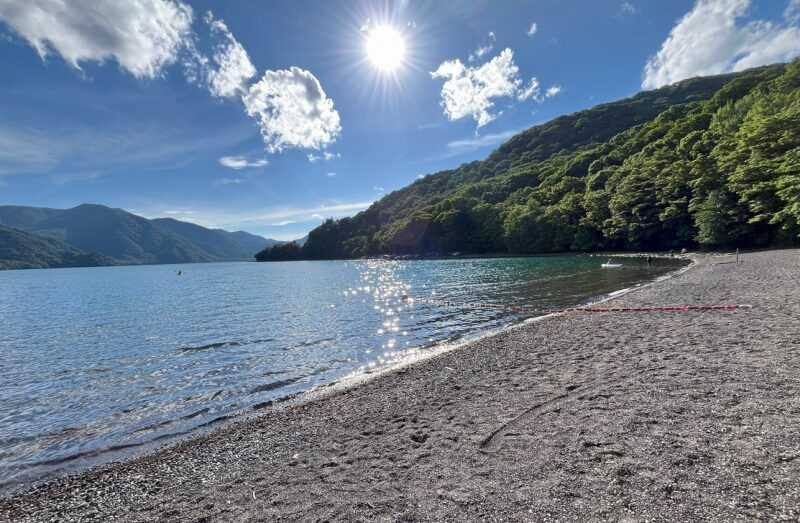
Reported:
(97, 361)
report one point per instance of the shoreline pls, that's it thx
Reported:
(309, 446)
(97, 459)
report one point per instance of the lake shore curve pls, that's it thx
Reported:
(675, 415)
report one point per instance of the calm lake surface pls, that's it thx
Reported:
(95, 361)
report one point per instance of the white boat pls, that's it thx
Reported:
(609, 265)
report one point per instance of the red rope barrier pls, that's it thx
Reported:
(537, 310)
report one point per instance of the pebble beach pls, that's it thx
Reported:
(660, 416)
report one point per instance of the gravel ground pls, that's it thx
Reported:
(584, 417)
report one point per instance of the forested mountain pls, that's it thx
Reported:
(129, 238)
(216, 243)
(23, 250)
(713, 161)
(252, 242)
(117, 233)
(25, 218)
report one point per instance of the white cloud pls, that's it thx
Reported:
(483, 50)
(281, 224)
(628, 8)
(231, 181)
(533, 30)
(530, 91)
(318, 216)
(145, 36)
(330, 174)
(178, 212)
(142, 36)
(241, 162)
(233, 65)
(552, 91)
(327, 156)
(707, 40)
(377, 188)
(292, 110)
(468, 91)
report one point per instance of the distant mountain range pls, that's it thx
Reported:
(93, 235)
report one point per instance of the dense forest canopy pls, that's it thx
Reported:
(711, 161)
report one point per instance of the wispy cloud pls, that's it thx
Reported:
(242, 162)
(483, 50)
(254, 219)
(338, 209)
(792, 12)
(233, 66)
(43, 149)
(467, 145)
(330, 174)
(231, 181)
(178, 212)
(628, 8)
(532, 90)
(533, 30)
(326, 155)
(479, 142)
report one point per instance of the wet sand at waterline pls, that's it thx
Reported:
(639, 416)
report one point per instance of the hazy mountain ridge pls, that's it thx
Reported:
(253, 242)
(117, 234)
(217, 244)
(709, 161)
(24, 250)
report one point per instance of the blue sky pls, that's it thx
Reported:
(269, 116)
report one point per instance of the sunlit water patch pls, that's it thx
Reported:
(99, 360)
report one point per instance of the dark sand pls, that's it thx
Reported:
(630, 416)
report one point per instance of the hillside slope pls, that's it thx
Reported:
(252, 242)
(131, 239)
(217, 244)
(23, 250)
(119, 234)
(711, 161)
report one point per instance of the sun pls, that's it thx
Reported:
(386, 48)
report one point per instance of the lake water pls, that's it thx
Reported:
(95, 361)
